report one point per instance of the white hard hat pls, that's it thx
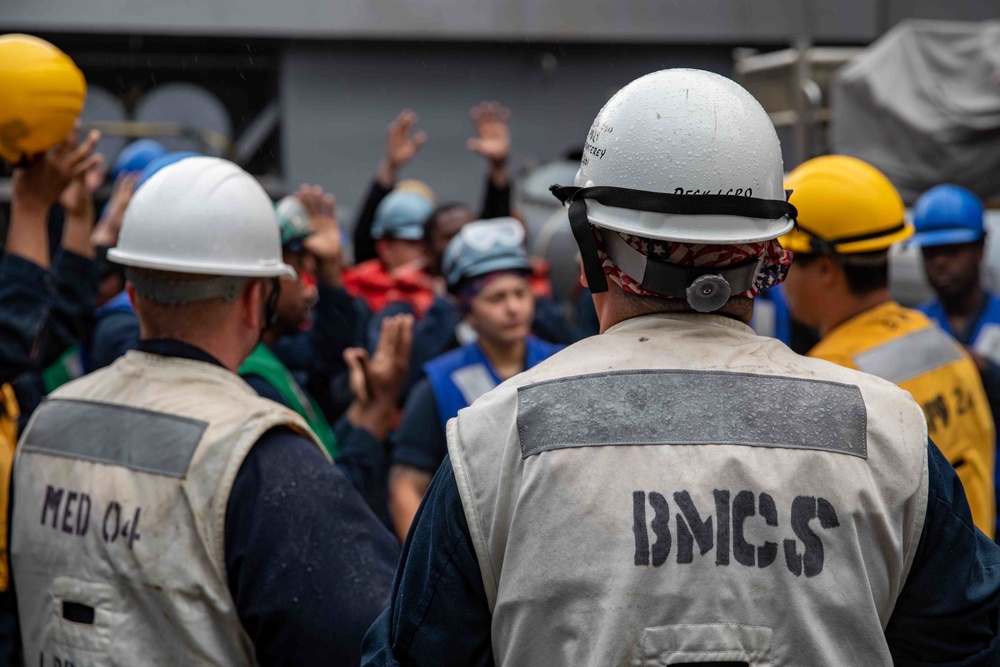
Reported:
(202, 215)
(678, 155)
(685, 132)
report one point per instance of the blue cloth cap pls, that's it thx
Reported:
(402, 215)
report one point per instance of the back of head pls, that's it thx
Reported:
(679, 192)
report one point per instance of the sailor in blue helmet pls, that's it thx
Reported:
(116, 327)
(486, 269)
(951, 236)
(136, 156)
(161, 161)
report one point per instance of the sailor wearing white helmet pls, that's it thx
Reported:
(163, 512)
(678, 490)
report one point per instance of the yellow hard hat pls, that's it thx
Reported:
(845, 206)
(413, 185)
(42, 94)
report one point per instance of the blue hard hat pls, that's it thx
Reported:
(136, 156)
(161, 162)
(482, 247)
(946, 215)
(402, 215)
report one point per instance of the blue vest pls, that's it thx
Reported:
(119, 303)
(461, 376)
(988, 325)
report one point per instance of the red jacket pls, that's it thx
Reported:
(378, 287)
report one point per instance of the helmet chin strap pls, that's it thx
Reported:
(591, 258)
(271, 305)
(270, 309)
(705, 289)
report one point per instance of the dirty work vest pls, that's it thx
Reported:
(10, 412)
(263, 363)
(121, 484)
(904, 347)
(681, 490)
(461, 376)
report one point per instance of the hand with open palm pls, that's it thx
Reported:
(401, 145)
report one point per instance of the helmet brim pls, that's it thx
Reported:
(937, 237)
(708, 229)
(410, 232)
(264, 269)
(800, 242)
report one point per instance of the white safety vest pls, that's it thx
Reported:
(680, 490)
(121, 484)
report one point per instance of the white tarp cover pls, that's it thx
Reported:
(923, 105)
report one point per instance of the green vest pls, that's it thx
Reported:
(264, 363)
(65, 369)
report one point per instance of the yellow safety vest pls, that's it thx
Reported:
(903, 346)
(8, 441)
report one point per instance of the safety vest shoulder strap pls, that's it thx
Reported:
(458, 378)
(910, 356)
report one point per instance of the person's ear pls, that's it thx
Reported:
(830, 272)
(251, 305)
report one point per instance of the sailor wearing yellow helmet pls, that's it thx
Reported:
(849, 214)
(43, 95)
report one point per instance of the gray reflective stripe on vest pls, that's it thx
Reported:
(120, 435)
(691, 408)
(909, 356)
(473, 382)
